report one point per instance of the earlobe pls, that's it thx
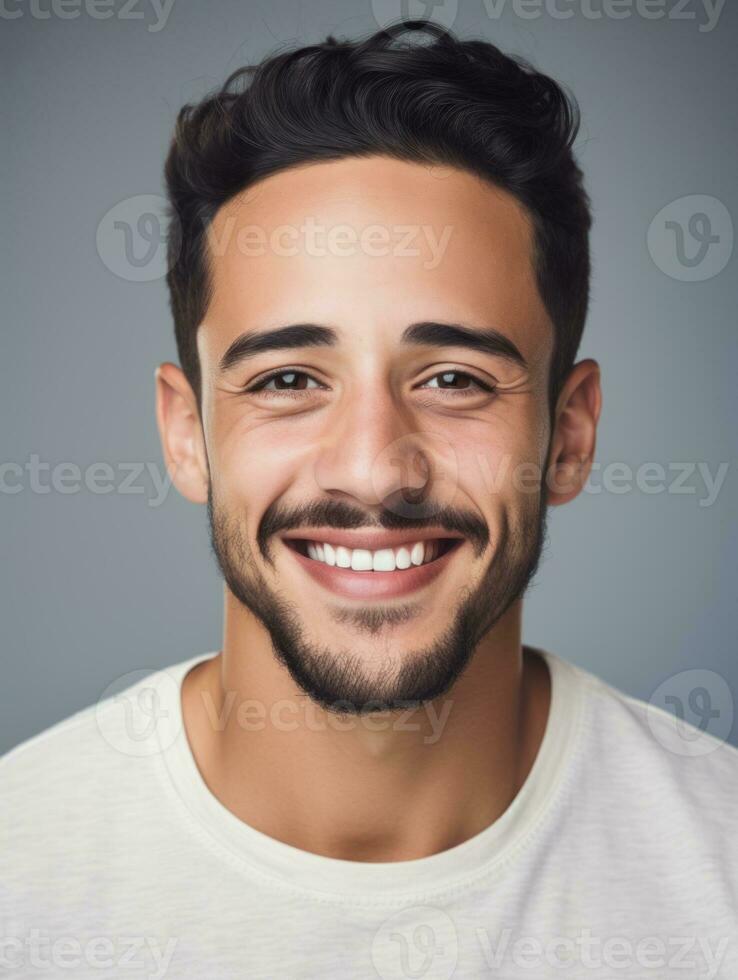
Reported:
(575, 433)
(180, 431)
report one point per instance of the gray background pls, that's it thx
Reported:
(635, 586)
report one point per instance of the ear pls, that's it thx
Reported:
(575, 432)
(181, 434)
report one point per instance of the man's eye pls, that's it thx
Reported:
(285, 381)
(457, 381)
(293, 381)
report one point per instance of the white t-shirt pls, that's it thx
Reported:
(617, 859)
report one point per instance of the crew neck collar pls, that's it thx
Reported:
(374, 882)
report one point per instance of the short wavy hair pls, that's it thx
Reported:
(439, 100)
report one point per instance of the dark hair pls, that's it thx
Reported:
(447, 101)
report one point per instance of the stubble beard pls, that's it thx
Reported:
(338, 680)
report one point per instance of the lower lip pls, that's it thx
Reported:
(373, 585)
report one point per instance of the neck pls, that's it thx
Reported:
(378, 787)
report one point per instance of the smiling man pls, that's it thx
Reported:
(372, 553)
(379, 282)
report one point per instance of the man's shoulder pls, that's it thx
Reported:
(90, 793)
(42, 758)
(645, 756)
(87, 761)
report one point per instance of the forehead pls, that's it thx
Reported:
(370, 245)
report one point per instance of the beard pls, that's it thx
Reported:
(338, 679)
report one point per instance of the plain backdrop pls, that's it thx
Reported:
(638, 585)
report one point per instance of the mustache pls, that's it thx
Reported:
(401, 517)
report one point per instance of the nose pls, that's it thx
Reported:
(374, 453)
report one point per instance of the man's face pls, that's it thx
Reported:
(373, 434)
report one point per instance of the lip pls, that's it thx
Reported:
(370, 539)
(373, 585)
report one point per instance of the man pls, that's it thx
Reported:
(379, 280)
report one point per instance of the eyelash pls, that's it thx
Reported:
(260, 386)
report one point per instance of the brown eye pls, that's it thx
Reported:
(456, 381)
(285, 381)
(290, 379)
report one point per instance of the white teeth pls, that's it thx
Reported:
(417, 553)
(361, 560)
(402, 558)
(382, 560)
(343, 557)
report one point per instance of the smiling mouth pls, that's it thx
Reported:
(402, 558)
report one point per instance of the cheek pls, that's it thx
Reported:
(254, 464)
(500, 459)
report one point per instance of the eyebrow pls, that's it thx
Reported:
(486, 340)
(283, 338)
